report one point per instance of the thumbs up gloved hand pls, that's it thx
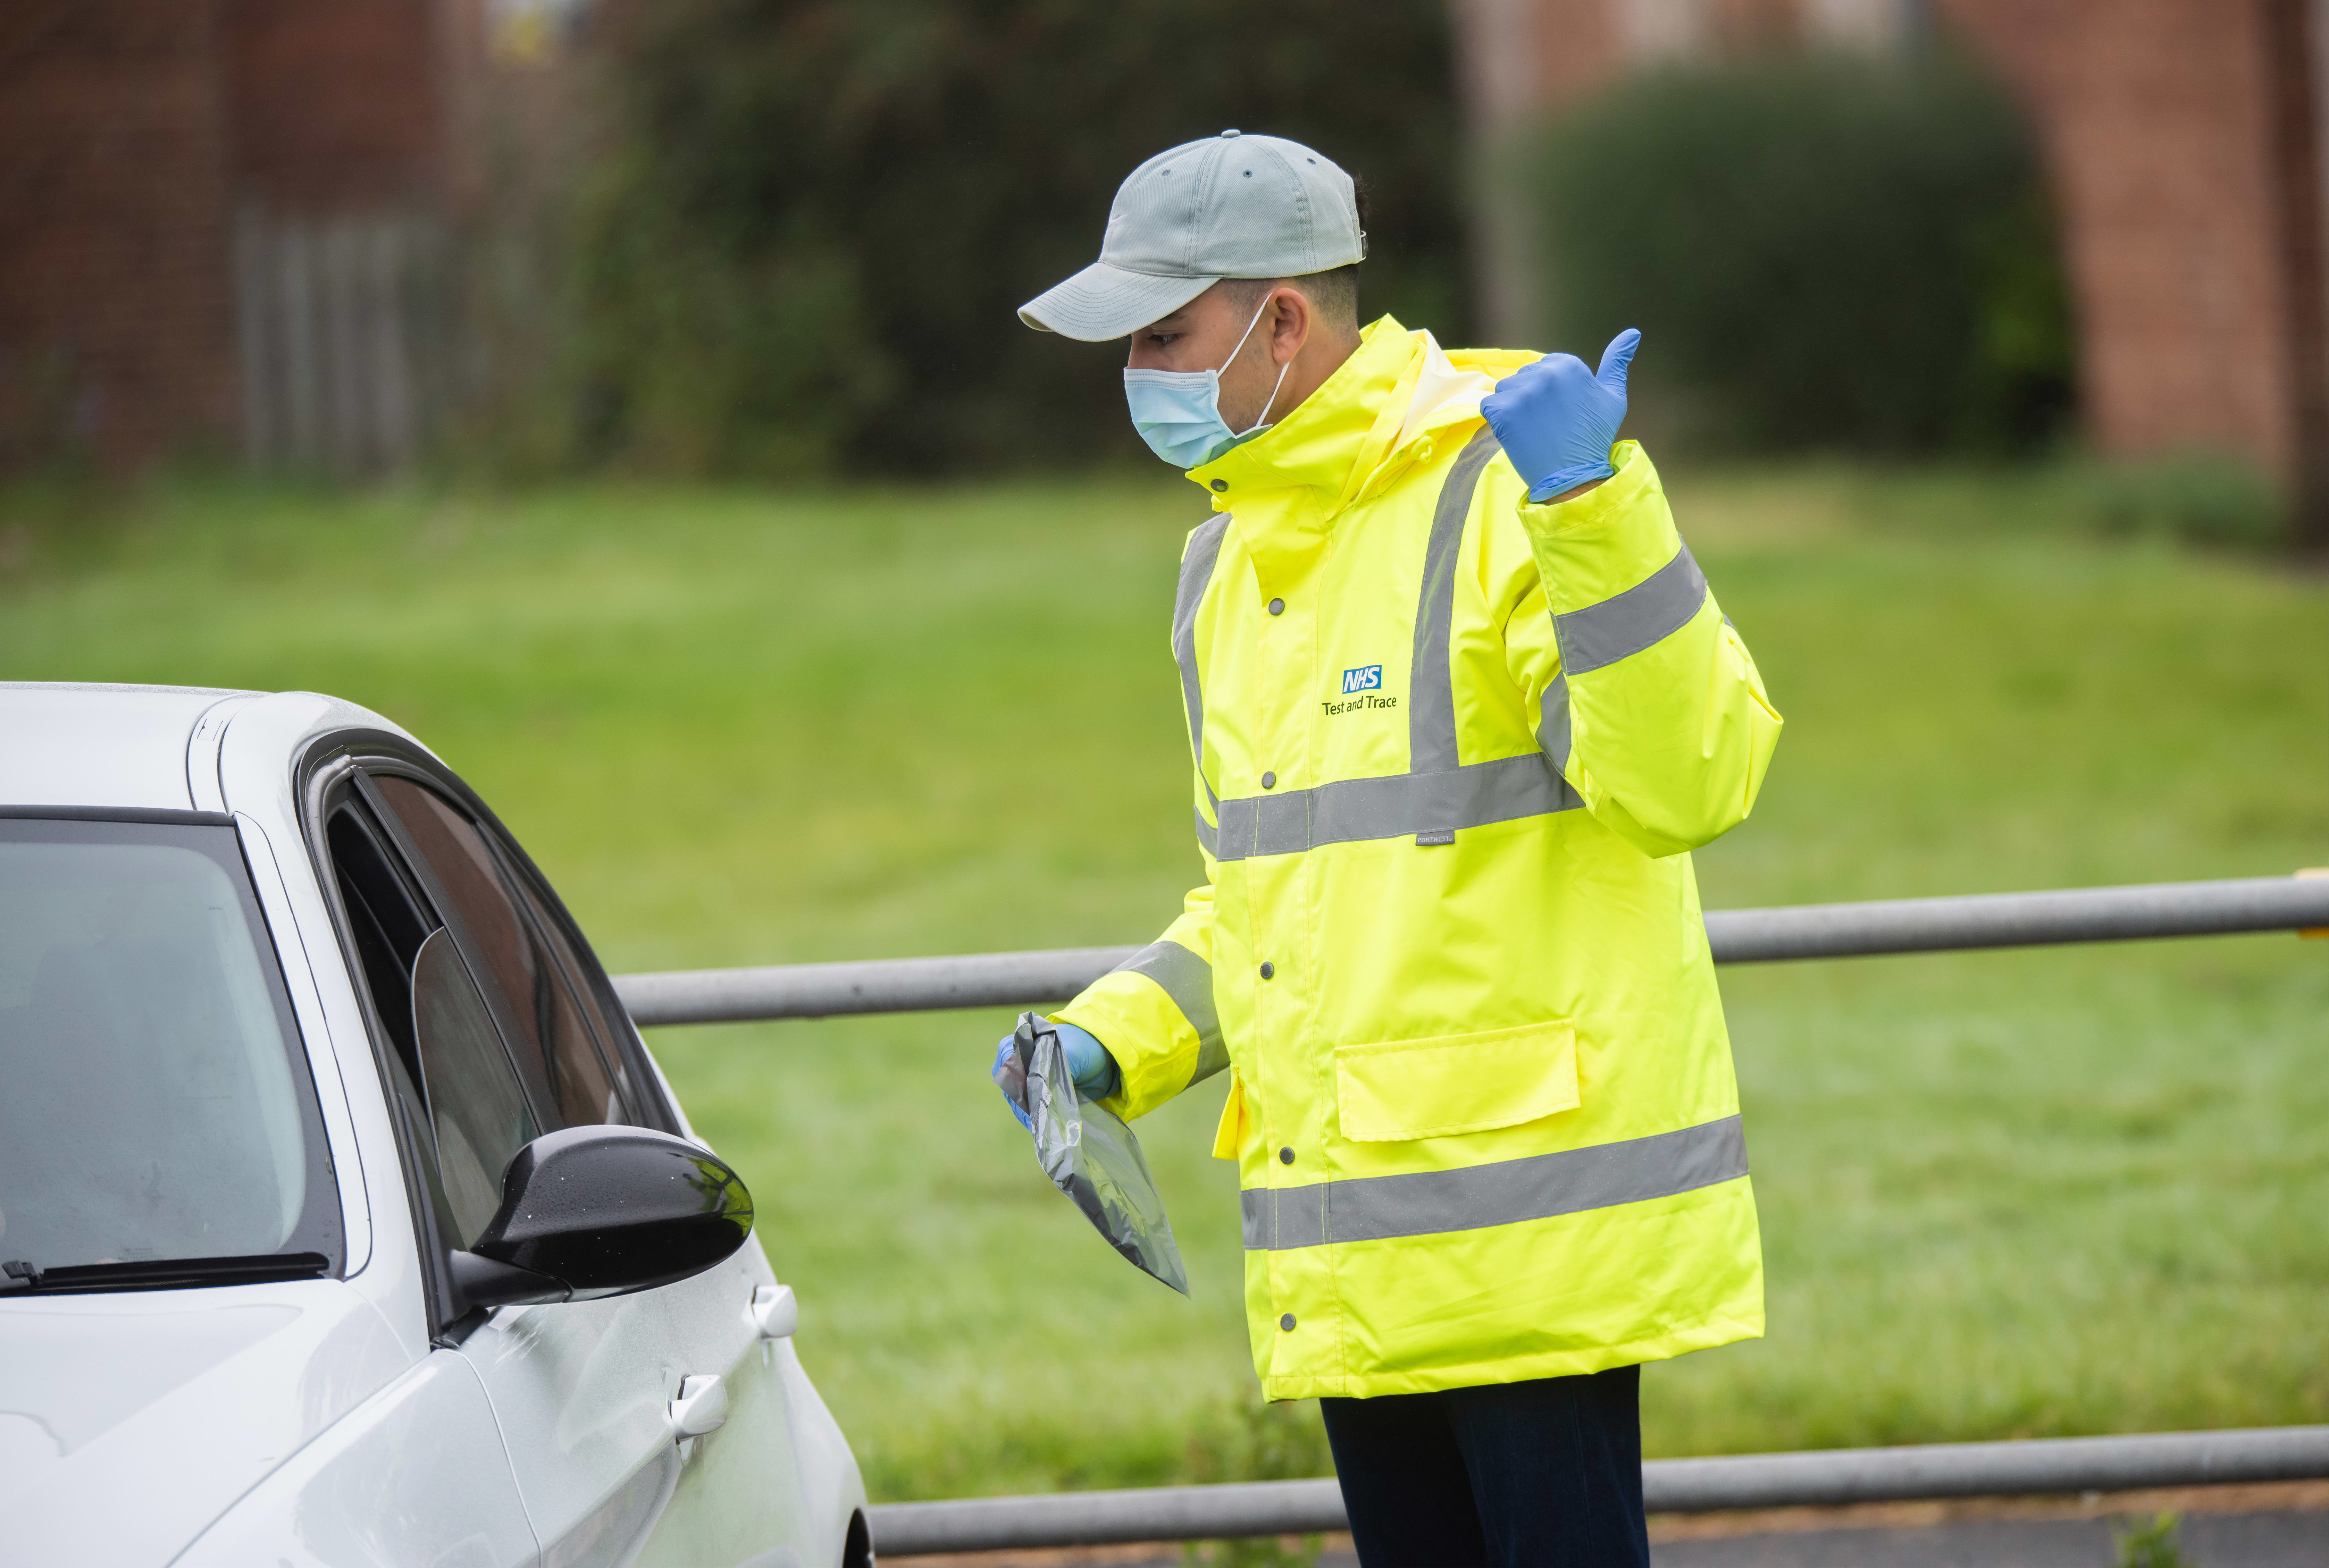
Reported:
(1556, 421)
(1092, 1068)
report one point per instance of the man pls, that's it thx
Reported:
(1460, 704)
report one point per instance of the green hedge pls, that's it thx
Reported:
(819, 215)
(1821, 251)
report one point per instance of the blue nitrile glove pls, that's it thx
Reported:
(1557, 422)
(1088, 1063)
(1006, 1075)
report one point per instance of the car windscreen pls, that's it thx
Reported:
(156, 1108)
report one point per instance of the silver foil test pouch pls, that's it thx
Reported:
(1090, 1155)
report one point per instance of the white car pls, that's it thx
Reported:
(345, 1218)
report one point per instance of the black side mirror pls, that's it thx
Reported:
(604, 1211)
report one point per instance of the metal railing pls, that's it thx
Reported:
(898, 985)
(1828, 1476)
(1771, 1481)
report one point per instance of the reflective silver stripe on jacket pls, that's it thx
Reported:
(1431, 697)
(1552, 731)
(1435, 797)
(1208, 836)
(1188, 981)
(1623, 624)
(1351, 810)
(1371, 1208)
(1196, 570)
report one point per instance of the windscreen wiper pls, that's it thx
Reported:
(159, 1273)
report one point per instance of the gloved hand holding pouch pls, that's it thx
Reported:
(1090, 1155)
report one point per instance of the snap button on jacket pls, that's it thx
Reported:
(1452, 750)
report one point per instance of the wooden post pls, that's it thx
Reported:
(1496, 59)
(255, 334)
(2294, 39)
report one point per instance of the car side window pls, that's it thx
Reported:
(476, 1108)
(572, 1073)
(454, 1085)
(582, 970)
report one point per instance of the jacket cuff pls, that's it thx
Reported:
(1611, 538)
(1154, 1050)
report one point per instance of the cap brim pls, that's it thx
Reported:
(1104, 302)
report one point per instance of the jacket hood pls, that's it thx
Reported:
(129, 1422)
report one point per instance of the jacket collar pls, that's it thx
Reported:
(1446, 393)
(1339, 436)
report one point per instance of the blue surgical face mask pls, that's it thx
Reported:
(1179, 412)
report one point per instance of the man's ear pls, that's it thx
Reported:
(1291, 326)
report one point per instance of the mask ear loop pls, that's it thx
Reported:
(1262, 423)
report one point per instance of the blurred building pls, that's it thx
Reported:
(2185, 142)
(247, 226)
(224, 224)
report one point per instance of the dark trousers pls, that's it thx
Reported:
(1511, 1475)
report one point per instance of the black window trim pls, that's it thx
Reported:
(331, 763)
(165, 815)
(466, 948)
(321, 787)
(629, 1054)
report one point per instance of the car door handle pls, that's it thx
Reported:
(775, 1313)
(702, 1407)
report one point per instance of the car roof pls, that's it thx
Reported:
(63, 745)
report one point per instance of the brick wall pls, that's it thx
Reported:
(2184, 139)
(116, 317)
(2157, 121)
(334, 104)
(137, 138)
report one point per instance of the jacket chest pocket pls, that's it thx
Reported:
(1430, 1088)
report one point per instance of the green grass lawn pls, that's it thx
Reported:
(2048, 1192)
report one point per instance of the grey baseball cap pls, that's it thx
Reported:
(1230, 206)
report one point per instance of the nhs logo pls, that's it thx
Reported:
(1362, 692)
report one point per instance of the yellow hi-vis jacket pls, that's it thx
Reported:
(1452, 750)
